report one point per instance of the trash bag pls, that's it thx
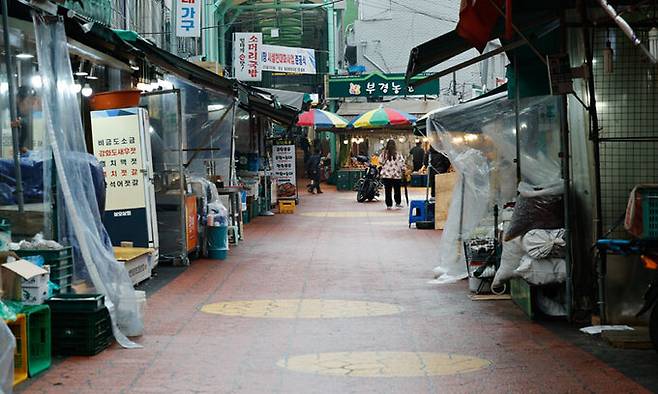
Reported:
(537, 207)
(509, 261)
(541, 244)
(7, 348)
(542, 271)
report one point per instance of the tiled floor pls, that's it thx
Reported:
(332, 299)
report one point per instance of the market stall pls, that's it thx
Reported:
(494, 162)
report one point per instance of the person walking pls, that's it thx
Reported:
(417, 156)
(314, 170)
(392, 169)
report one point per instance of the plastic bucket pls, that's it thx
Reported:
(132, 326)
(218, 242)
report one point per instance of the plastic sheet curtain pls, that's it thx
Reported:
(79, 218)
(7, 348)
(208, 127)
(480, 139)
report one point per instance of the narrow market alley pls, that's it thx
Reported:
(332, 299)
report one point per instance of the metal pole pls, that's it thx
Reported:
(12, 107)
(517, 126)
(232, 159)
(181, 175)
(331, 61)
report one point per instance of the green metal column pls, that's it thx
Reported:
(331, 22)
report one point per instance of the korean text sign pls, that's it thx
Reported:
(188, 18)
(379, 85)
(246, 52)
(117, 145)
(288, 59)
(284, 171)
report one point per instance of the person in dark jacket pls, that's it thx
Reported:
(436, 163)
(417, 156)
(314, 171)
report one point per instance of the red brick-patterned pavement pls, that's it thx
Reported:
(371, 258)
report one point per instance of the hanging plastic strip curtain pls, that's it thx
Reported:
(7, 348)
(79, 217)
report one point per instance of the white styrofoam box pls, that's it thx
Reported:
(38, 280)
(35, 295)
(139, 268)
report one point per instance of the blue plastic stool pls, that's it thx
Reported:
(417, 211)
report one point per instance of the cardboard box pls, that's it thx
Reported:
(14, 274)
(444, 187)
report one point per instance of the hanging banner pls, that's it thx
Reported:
(246, 50)
(188, 18)
(283, 169)
(288, 59)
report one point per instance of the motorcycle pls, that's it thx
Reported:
(370, 184)
(648, 252)
(651, 298)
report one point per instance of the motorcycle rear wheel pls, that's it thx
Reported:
(653, 327)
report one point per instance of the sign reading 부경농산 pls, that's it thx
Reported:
(379, 85)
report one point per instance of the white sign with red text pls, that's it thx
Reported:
(246, 50)
(287, 59)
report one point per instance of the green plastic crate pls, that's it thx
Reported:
(48, 254)
(76, 303)
(521, 293)
(59, 272)
(39, 334)
(81, 333)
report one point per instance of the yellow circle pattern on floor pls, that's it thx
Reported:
(302, 309)
(349, 214)
(384, 364)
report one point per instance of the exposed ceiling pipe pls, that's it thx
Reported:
(626, 28)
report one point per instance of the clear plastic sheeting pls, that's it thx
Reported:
(7, 348)
(469, 205)
(79, 217)
(480, 139)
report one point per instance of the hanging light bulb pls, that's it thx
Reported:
(345, 141)
(36, 81)
(653, 42)
(86, 90)
(76, 88)
(381, 141)
(142, 86)
(607, 58)
(353, 139)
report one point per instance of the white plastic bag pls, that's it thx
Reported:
(509, 261)
(7, 348)
(542, 271)
(540, 244)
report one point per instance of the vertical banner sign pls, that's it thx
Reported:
(246, 53)
(283, 163)
(117, 141)
(188, 18)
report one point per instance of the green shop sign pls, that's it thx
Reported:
(379, 85)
